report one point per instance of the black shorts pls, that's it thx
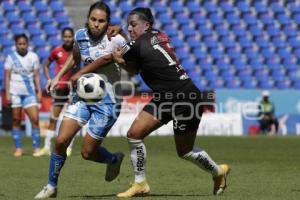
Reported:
(61, 97)
(185, 108)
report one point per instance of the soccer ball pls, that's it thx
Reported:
(91, 87)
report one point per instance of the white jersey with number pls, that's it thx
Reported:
(22, 72)
(90, 50)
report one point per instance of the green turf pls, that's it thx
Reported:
(265, 168)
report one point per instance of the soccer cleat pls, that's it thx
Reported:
(36, 152)
(69, 151)
(220, 180)
(47, 192)
(44, 152)
(113, 170)
(136, 189)
(18, 152)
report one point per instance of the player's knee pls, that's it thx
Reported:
(16, 122)
(61, 144)
(181, 152)
(86, 154)
(133, 134)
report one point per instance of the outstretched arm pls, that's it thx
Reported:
(129, 66)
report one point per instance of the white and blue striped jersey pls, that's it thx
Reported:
(90, 50)
(22, 72)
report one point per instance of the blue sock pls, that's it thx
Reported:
(17, 136)
(56, 163)
(35, 134)
(106, 156)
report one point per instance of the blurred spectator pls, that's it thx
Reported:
(267, 119)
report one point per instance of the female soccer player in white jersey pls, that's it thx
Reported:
(23, 90)
(90, 43)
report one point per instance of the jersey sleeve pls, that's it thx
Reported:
(118, 41)
(131, 51)
(52, 55)
(36, 61)
(8, 63)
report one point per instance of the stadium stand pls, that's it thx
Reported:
(222, 44)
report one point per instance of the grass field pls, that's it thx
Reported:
(265, 168)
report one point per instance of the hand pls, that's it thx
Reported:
(118, 56)
(50, 86)
(113, 30)
(39, 95)
(75, 77)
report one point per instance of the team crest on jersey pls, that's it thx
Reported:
(84, 45)
(60, 54)
(102, 45)
(88, 60)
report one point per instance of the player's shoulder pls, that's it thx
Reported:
(81, 34)
(32, 54)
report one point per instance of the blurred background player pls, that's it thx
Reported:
(61, 94)
(90, 43)
(23, 90)
(155, 59)
(267, 120)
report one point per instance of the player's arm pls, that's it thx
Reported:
(37, 83)
(7, 84)
(46, 69)
(114, 30)
(96, 64)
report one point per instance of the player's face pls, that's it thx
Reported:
(97, 22)
(136, 26)
(68, 38)
(22, 46)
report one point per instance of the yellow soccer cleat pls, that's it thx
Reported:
(44, 152)
(136, 189)
(220, 180)
(69, 151)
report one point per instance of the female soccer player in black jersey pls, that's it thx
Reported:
(175, 98)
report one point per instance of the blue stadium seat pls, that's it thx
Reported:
(29, 18)
(290, 30)
(182, 18)
(165, 18)
(43, 53)
(239, 63)
(188, 30)
(226, 6)
(227, 41)
(192, 42)
(267, 52)
(17, 28)
(199, 53)
(284, 84)
(294, 75)
(188, 64)
(273, 62)
(293, 7)
(278, 75)
(256, 30)
(266, 84)
(283, 52)
(245, 41)
(6, 41)
(290, 63)
(193, 7)
(227, 75)
(222, 29)
(262, 41)
(171, 30)
(24, 7)
(223, 63)
(256, 63)
(232, 18)
(3, 29)
(176, 6)
(115, 19)
(210, 75)
(57, 6)
(205, 30)
(205, 63)
(278, 41)
(215, 18)
(182, 53)
(266, 18)
(296, 52)
(277, 6)
(6, 50)
(159, 7)
(239, 30)
(177, 42)
(125, 6)
(249, 84)
(40, 6)
(249, 19)
(50, 30)
(233, 52)
(233, 84)
(210, 7)
(62, 18)
(216, 84)
(12, 17)
(296, 84)
(210, 42)
(272, 30)
(54, 41)
(45, 18)
(216, 53)
(283, 19)
(261, 6)
(38, 41)
(8, 7)
(199, 19)
(243, 6)
(296, 18)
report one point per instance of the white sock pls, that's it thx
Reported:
(203, 160)
(138, 157)
(49, 135)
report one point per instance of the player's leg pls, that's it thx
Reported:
(33, 115)
(185, 130)
(101, 121)
(75, 116)
(68, 129)
(50, 132)
(16, 130)
(142, 126)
